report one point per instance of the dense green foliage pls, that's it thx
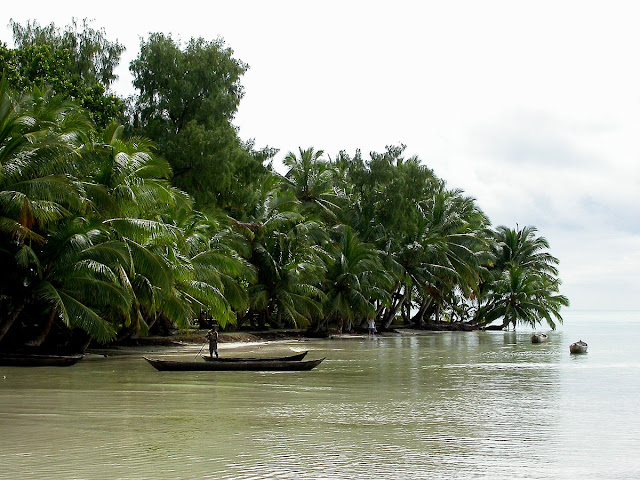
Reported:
(101, 236)
(188, 98)
(77, 63)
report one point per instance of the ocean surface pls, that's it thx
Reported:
(431, 406)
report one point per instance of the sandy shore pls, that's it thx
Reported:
(231, 343)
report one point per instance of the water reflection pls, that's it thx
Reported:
(442, 405)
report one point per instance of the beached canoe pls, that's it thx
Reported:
(290, 358)
(37, 360)
(252, 365)
(539, 338)
(578, 347)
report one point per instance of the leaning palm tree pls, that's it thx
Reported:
(522, 295)
(442, 260)
(214, 252)
(40, 141)
(125, 179)
(520, 285)
(79, 281)
(355, 281)
(286, 252)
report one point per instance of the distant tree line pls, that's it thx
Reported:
(121, 216)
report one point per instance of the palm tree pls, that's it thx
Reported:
(521, 284)
(522, 247)
(40, 141)
(286, 251)
(453, 247)
(355, 280)
(522, 295)
(439, 262)
(218, 269)
(311, 180)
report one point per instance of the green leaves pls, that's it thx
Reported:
(522, 285)
(188, 96)
(90, 229)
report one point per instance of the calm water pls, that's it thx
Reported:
(443, 405)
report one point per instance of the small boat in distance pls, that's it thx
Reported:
(290, 358)
(539, 338)
(240, 365)
(38, 360)
(578, 347)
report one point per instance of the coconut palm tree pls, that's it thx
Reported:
(441, 260)
(287, 253)
(355, 280)
(41, 137)
(453, 246)
(521, 284)
(311, 180)
(522, 295)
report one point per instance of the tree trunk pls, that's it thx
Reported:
(405, 311)
(418, 318)
(36, 342)
(391, 314)
(6, 325)
(84, 345)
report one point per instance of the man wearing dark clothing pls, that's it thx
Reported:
(212, 336)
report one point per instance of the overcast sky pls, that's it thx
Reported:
(532, 108)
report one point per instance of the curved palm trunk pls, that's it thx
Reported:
(85, 344)
(6, 325)
(391, 313)
(39, 340)
(418, 318)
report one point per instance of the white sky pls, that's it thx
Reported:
(533, 108)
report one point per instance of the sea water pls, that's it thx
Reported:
(411, 406)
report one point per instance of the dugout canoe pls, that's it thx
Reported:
(289, 358)
(240, 365)
(37, 360)
(539, 338)
(578, 347)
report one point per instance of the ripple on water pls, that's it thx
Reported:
(446, 406)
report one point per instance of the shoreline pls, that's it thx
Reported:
(181, 343)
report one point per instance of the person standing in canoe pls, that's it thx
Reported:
(212, 336)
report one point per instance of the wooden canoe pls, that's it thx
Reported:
(250, 365)
(37, 360)
(539, 338)
(290, 358)
(578, 347)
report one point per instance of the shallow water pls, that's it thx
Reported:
(442, 405)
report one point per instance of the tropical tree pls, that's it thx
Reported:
(521, 284)
(217, 256)
(355, 281)
(286, 251)
(78, 63)
(522, 295)
(94, 57)
(188, 97)
(40, 142)
(311, 180)
(454, 247)
(173, 269)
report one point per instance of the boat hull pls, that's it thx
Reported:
(240, 365)
(578, 347)
(35, 360)
(290, 358)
